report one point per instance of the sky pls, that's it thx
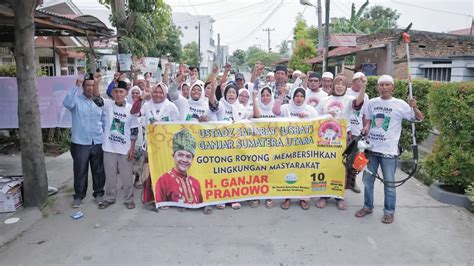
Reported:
(241, 23)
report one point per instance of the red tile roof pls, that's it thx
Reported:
(338, 51)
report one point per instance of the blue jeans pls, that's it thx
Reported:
(388, 165)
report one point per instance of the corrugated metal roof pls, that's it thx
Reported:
(339, 51)
(343, 39)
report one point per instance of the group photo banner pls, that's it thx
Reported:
(194, 165)
(51, 93)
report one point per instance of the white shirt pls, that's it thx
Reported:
(287, 111)
(385, 130)
(118, 122)
(314, 98)
(191, 111)
(341, 106)
(157, 112)
(357, 115)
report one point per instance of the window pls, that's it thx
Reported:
(71, 61)
(7, 60)
(438, 74)
(47, 70)
(71, 70)
(46, 60)
(5, 51)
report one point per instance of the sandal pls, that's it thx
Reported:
(387, 218)
(104, 204)
(220, 206)
(321, 203)
(341, 205)
(363, 212)
(269, 203)
(285, 205)
(304, 205)
(254, 203)
(130, 205)
(138, 185)
(236, 205)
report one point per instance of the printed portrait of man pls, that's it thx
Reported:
(176, 185)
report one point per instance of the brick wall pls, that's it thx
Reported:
(423, 45)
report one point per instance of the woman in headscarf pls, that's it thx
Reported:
(159, 108)
(228, 107)
(262, 108)
(341, 105)
(297, 108)
(184, 88)
(265, 102)
(196, 106)
(135, 95)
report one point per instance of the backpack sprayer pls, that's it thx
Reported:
(354, 157)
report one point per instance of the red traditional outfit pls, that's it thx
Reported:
(176, 187)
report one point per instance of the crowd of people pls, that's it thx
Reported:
(108, 133)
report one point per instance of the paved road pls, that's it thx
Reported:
(424, 232)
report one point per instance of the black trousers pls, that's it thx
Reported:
(83, 155)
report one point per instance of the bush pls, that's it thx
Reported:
(10, 71)
(451, 112)
(406, 165)
(421, 88)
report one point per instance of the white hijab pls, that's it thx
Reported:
(166, 105)
(293, 108)
(202, 102)
(237, 109)
(266, 107)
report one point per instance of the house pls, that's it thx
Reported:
(433, 56)
(195, 28)
(342, 49)
(58, 37)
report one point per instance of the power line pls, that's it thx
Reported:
(268, 31)
(200, 4)
(192, 6)
(261, 23)
(341, 9)
(291, 31)
(432, 9)
(225, 13)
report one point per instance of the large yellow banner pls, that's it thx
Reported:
(198, 164)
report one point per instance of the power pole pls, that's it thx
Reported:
(268, 31)
(219, 55)
(320, 26)
(326, 38)
(199, 46)
(472, 26)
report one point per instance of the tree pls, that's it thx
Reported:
(379, 18)
(144, 27)
(254, 55)
(303, 48)
(284, 48)
(237, 58)
(191, 55)
(31, 143)
(313, 35)
(171, 45)
(363, 21)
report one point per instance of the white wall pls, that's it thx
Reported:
(462, 68)
(189, 26)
